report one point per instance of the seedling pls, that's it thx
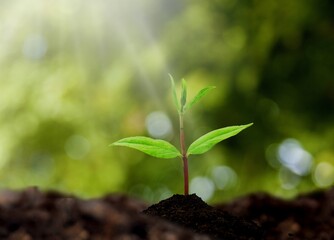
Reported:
(163, 149)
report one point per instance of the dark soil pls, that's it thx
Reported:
(307, 217)
(31, 214)
(191, 212)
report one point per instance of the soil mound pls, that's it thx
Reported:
(191, 212)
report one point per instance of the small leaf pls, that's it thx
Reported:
(154, 147)
(199, 95)
(176, 102)
(183, 94)
(207, 141)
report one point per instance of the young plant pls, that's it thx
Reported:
(163, 149)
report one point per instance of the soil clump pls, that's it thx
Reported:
(191, 212)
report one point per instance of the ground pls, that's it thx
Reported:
(33, 214)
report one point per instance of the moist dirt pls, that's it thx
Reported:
(32, 214)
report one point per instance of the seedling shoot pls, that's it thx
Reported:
(163, 149)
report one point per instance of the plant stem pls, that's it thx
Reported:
(184, 156)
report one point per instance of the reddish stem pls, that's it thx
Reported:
(184, 157)
(185, 173)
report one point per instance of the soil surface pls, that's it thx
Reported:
(32, 214)
(306, 217)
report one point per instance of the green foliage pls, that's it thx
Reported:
(154, 147)
(163, 149)
(176, 102)
(207, 141)
(198, 96)
(183, 99)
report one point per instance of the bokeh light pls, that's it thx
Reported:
(203, 187)
(224, 177)
(324, 174)
(294, 157)
(78, 75)
(159, 125)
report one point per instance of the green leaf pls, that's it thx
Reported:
(183, 94)
(207, 141)
(154, 147)
(199, 95)
(176, 102)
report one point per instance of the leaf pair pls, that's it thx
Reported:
(162, 149)
(182, 105)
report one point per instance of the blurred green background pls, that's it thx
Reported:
(76, 76)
